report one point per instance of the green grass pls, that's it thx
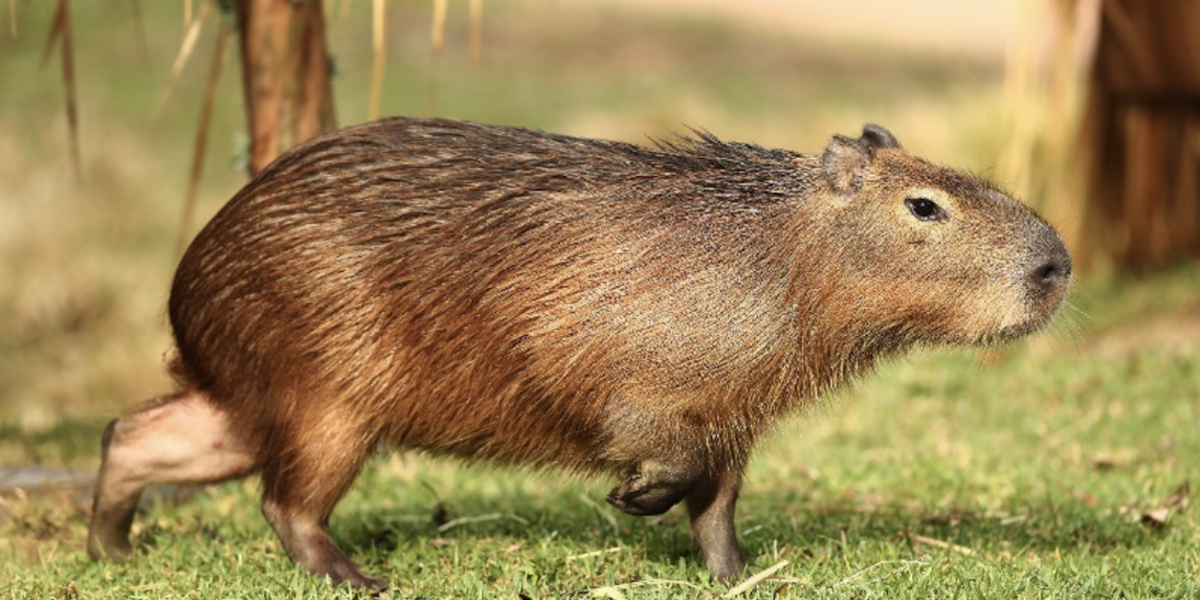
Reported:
(1033, 471)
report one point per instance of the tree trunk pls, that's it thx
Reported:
(285, 75)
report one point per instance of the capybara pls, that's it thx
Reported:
(535, 299)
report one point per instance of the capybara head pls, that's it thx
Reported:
(929, 253)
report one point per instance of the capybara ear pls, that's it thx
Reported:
(845, 158)
(843, 162)
(875, 137)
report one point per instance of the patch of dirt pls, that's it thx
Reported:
(1171, 332)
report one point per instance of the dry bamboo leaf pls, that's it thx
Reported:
(210, 95)
(928, 541)
(593, 554)
(754, 580)
(60, 32)
(190, 36)
(451, 524)
(1178, 500)
(56, 27)
(608, 591)
(1156, 517)
(899, 565)
(614, 591)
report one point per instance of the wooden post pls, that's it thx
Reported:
(1141, 134)
(285, 75)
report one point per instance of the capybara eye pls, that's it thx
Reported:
(925, 209)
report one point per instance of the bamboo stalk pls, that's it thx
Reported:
(475, 17)
(438, 34)
(437, 39)
(190, 36)
(379, 43)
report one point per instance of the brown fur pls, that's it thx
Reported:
(528, 298)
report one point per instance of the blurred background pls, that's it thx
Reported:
(124, 125)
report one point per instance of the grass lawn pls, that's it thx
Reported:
(1052, 468)
(1057, 468)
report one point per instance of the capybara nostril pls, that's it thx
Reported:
(1054, 273)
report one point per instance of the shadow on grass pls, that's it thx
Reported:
(385, 518)
(800, 532)
(1041, 525)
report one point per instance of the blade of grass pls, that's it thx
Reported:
(900, 565)
(593, 553)
(604, 514)
(614, 591)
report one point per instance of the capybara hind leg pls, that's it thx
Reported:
(711, 507)
(179, 439)
(655, 487)
(302, 485)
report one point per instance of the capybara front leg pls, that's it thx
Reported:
(178, 439)
(711, 507)
(655, 487)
